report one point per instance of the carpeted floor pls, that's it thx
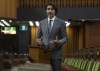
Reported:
(34, 67)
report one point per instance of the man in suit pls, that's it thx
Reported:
(52, 34)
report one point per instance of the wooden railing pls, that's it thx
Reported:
(59, 3)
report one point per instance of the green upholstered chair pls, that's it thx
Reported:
(96, 66)
(89, 65)
(84, 63)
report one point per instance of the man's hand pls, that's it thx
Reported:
(56, 41)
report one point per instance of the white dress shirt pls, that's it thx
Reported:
(52, 22)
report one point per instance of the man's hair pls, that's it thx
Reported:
(53, 5)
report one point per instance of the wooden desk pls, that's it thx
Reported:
(39, 55)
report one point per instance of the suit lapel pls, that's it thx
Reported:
(46, 25)
(54, 24)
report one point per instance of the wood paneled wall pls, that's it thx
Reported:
(34, 31)
(92, 34)
(59, 3)
(81, 36)
(8, 8)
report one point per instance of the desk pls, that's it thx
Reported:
(39, 55)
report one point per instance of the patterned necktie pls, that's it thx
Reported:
(49, 26)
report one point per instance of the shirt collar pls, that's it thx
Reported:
(52, 18)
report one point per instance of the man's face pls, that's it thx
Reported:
(50, 11)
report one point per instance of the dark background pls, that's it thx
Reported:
(37, 14)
